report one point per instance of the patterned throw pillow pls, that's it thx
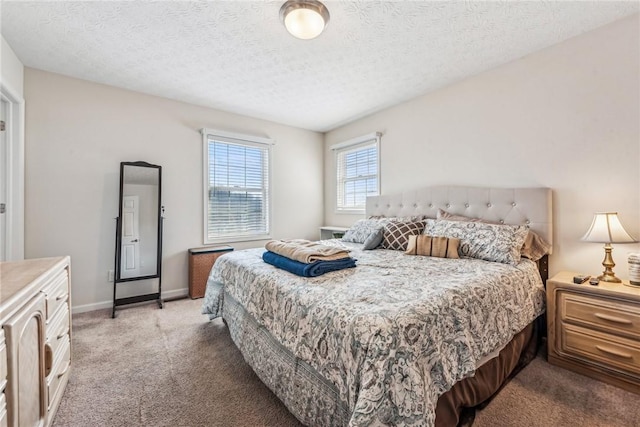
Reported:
(534, 246)
(396, 234)
(491, 242)
(362, 229)
(441, 247)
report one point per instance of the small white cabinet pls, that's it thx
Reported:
(332, 232)
(35, 340)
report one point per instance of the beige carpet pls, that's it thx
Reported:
(172, 367)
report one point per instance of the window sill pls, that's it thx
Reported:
(232, 239)
(350, 211)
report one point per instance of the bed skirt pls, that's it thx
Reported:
(315, 401)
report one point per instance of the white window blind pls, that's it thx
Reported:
(357, 167)
(236, 188)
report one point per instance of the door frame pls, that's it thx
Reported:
(14, 220)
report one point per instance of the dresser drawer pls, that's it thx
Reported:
(609, 315)
(59, 373)
(57, 292)
(605, 350)
(58, 329)
(3, 363)
(3, 411)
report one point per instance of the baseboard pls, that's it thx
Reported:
(75, 309)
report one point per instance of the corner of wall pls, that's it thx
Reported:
(12, 90)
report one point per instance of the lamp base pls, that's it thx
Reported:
(611, 278)
(608, 275)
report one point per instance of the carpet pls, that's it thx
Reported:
(173, 367)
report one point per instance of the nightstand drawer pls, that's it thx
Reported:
(610, 315)
(606, 350)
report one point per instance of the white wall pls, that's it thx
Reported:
(12, 90)
(77, 134)
(566, 117)
(11, 68)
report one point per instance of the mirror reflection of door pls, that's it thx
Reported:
(140, 213)
(130, 263)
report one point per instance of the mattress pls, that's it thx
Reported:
(386, 338)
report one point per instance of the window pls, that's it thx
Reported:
(236, 187)
(358, 176)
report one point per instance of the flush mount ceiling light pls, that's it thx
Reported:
(304, 19)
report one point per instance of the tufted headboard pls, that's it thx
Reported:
(530, 206)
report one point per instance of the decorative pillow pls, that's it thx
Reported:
(441, 247)
(360, 230)
(534, 246)
(374, 239)
(396, 234)
(491, 242)
(400, 218)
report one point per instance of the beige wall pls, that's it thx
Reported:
(566, 117)
(78, 132)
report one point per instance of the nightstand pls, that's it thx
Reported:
(331, 232)
(200, 262)
(595, 330)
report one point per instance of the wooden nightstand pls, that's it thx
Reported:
(595, 330)
(200, 262)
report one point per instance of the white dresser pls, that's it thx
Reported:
(35, 340)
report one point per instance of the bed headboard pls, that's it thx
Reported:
(529, 206)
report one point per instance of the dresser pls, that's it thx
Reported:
(595, 330)
(35, 340)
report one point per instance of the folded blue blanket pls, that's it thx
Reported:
(307, 270)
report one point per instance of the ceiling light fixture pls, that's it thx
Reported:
(304, 19)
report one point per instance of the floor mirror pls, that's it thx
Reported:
(138, 254)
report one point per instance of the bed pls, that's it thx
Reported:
(398, 340)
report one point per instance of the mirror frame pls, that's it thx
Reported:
(118, 256)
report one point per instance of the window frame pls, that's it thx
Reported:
(247, 141)
(351, 144)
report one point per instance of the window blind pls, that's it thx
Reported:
(237, 182)
(357, 174)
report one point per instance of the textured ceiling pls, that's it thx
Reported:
(236, 55)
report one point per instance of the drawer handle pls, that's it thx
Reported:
(613, 318)
(65, 370)
(61, 297)
(48, 359)
(614, 352)
(65, 333)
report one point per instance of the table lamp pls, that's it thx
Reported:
(606, 228)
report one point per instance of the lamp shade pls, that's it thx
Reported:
(304, 19)
(606, 228)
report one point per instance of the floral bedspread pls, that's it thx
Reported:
(392, 334)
